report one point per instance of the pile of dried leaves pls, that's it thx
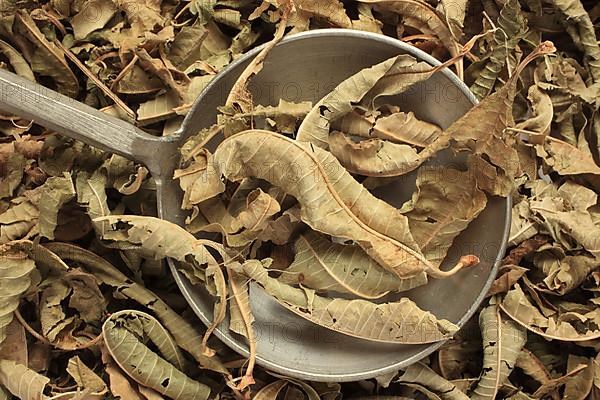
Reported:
(87, 308)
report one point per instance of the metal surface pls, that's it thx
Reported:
(302, 67)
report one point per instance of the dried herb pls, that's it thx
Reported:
(284, 203)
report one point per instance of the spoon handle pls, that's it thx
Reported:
(76, 120)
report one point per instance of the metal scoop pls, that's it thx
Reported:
(302, 67)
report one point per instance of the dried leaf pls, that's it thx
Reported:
(366, 85)
(423, 17)
(86, 379)
(512, 26)
(445, 202)
(56, 192)
(419, 373)
(565, 326)
(325, 266)
(47, 59)
(397, 322)
(16, 270)
(387, 240)
(93, 15)
(22, 382)
(242, 320)
(566, 159)
(184, 333)
(502, 343)
(122, 334)
(17, 61)
(13, 174)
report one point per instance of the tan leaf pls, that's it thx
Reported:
(397, 322)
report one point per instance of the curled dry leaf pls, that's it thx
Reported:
(86, 379)
(56, 192)
(396, 322)
(422, 17)
(482, 129)
(22, 382)
(242, 319)
(184, 333)
(324, 188)
(16, 269)
(325, 266)
(47, 59)
(512, 26)
(124, 335)
(568, 326)
(445, 202)
(502, 343)
(392, 76)
(422, 375)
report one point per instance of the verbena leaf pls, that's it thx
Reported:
(397, 322)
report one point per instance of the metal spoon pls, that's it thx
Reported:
(305, 66)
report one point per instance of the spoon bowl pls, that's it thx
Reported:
(302, 67)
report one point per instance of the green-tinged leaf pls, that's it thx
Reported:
(397, 322)
(325, 266)
(511, 28)
(124, 334)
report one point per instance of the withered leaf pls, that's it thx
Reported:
(357, 88)
(86, 379)
(325, 190)
(184, 333)
(21, 381)
(47, 59)
(502, 343)
(566, 326)
(445, 202)
(325, 266)
(124, 334)
(419, 373)
(56, 192)
(16, 270)
(396, 322)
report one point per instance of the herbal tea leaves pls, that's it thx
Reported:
(147, 62)
(397, 322)
(324, 190)
(124, 335)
